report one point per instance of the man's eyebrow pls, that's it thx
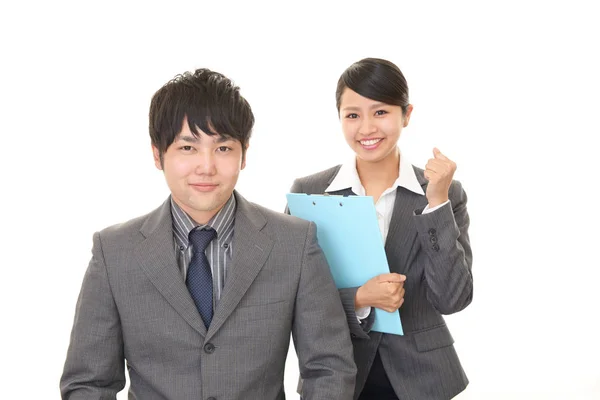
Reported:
(193, 139)
(222, 139)
(188, 138)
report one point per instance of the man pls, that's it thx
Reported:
(200, 296)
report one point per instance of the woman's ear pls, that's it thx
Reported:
(407, 114)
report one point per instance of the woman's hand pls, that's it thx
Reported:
(385, 291)
(439, 172)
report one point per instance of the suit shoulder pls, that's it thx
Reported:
(281, 219)
(324, 175)
(420, 172)
(283, 225)
(313, 183)
(124, 231)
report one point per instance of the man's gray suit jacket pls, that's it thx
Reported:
(134, 306)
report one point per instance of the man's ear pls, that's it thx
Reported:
(244, 157)
(157, 158)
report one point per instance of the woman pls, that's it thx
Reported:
(423, 219)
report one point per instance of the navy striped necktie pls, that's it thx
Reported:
(199, 275)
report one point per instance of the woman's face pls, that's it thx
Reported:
(371, 128)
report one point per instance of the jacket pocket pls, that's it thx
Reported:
(276, 310)
(433, 338)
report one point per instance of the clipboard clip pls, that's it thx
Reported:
(329, 195)
(334, 195)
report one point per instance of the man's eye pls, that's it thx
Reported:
(186, 148)
(224, 149)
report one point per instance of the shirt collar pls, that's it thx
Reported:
(347, 178)
(222, 222)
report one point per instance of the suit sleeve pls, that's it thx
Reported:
(444, 237)
(320, 331)
(347, 295)
(94, 368)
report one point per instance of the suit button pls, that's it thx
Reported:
(433, 239)
(353, 335)
(436, 247)
(432, 231)
(209, 348)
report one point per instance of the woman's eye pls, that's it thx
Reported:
(380, 112)
(352, 116)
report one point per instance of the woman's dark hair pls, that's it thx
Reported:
(209, 100)
(376, 79)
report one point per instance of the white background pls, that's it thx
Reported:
(509, 90)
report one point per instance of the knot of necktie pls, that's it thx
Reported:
(200, 238)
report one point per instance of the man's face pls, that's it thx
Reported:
(201, 172)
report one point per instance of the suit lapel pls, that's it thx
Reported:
(403, 232)
(156, 257)
(251, 248)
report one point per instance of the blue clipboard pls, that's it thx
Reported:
(348, 233)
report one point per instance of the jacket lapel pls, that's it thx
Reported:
(403, 232)
(251, 248)
(156, 257)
